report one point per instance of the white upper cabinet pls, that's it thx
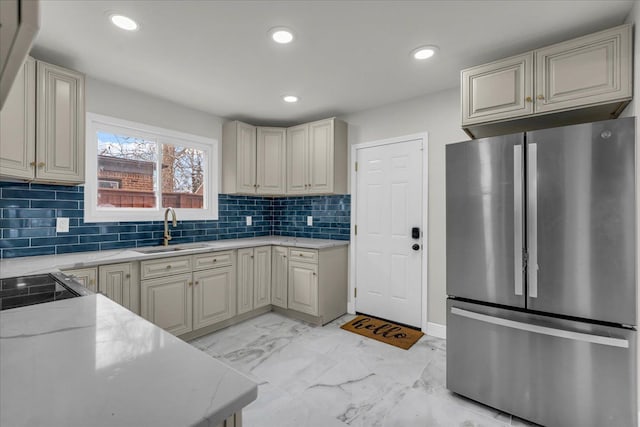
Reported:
(585, 79)
(317, 158)
(60, 124)
(588, 70)
(271, 160)
(297, 159)
(18, 126)
(253, 159)
(246, 158)
(42, 125)
(502, 89)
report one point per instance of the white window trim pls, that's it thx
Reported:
(94, 214)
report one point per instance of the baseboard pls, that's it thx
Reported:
(436, 330)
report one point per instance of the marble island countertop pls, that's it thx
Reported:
(88, 361)
(50, 263)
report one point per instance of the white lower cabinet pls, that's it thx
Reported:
(303, 287)
(167, 302)
(119, 283)
(279, 274)
(87, 277)
(181, 303)
(254, 278)
(214, 296)
(262, 277)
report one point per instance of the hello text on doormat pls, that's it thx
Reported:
(383, 331)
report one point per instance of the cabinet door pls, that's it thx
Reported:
(214, 296)
(18, 126)
(245, 280)
(115, 282)
(279, 271)
(246, 159)
(167, 302)
(587, 70)
(88, 277)
(297, 159)
(303, 287)
(60, 137)
(321, 156)
(271, 160)
(499, 90)
(262, 276)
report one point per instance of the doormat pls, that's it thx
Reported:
(383, 331)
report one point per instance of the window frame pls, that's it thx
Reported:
(93, 213)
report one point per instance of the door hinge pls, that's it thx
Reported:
(356, 166)
(355, 292)
(525, 259)
(356, 230)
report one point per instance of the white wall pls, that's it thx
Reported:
(439, 115)
(117, 101)
(633, 110)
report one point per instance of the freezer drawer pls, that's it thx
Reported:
(550, 371)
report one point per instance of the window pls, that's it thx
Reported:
(135, 171)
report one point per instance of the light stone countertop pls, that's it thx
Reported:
(50, 263)
(88, 361)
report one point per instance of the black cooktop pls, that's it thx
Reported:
(28, 290)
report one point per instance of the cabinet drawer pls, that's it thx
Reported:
(215, 259)
(164, 266)
(307, 255)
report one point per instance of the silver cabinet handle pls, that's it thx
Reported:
(532, 219)
(517, 218)
(543, 330)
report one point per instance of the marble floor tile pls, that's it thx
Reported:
(313, 376)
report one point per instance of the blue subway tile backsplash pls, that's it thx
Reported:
(28, 221)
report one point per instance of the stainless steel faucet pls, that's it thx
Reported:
(167, 234)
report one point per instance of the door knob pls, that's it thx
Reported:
(415, 247)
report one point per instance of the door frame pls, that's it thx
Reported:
(424, 137)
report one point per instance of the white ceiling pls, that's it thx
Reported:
(216, 56)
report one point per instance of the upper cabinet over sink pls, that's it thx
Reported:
(584, 79)
(307, 159)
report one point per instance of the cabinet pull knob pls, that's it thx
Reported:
(214, 260)
(197, 282)
(168, 266)
(32, 163)
(284, 256)
(127, 276)
(190, 283)
(528, 99)
(540, 97)
(41, 164)
(314, 273)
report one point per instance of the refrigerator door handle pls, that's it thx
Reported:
(527, 327)
(517, 218)
(532, 219)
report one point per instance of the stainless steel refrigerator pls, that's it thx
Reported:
(541, 276)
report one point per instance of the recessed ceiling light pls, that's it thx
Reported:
(124, 22)
(424, 52)
(290, 98)
(281, 35)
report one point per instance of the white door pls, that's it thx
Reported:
(389, 205)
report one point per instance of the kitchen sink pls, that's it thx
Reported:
(155, 250)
